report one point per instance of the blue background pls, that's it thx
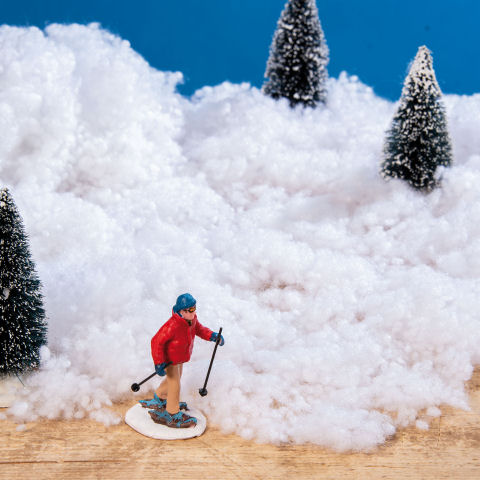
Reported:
(211, 41)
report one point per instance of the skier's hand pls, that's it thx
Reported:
(214, 336)
(160, 369)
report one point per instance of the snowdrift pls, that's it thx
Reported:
(349, 304)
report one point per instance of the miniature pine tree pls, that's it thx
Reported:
(418, 141)
(297, 65)
(23, 327)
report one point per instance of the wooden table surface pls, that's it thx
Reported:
(84, 449)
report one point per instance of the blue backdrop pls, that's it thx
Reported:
(215, 40)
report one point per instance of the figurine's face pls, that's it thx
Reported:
(188, 313)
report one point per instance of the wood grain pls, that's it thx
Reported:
(84, 449)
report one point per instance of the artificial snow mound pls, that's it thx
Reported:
(349, 304)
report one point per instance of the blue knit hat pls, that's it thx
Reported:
(184, 301)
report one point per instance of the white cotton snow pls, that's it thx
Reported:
(349, 304)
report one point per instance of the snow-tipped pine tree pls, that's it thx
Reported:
(297, 65)
(23, 328)
(418, 141)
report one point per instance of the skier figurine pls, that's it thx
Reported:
(172, 346)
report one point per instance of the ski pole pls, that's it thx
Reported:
(136, 386)
(203, 391)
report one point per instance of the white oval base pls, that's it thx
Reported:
(139, 419)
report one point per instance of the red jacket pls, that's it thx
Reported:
(174, 341)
